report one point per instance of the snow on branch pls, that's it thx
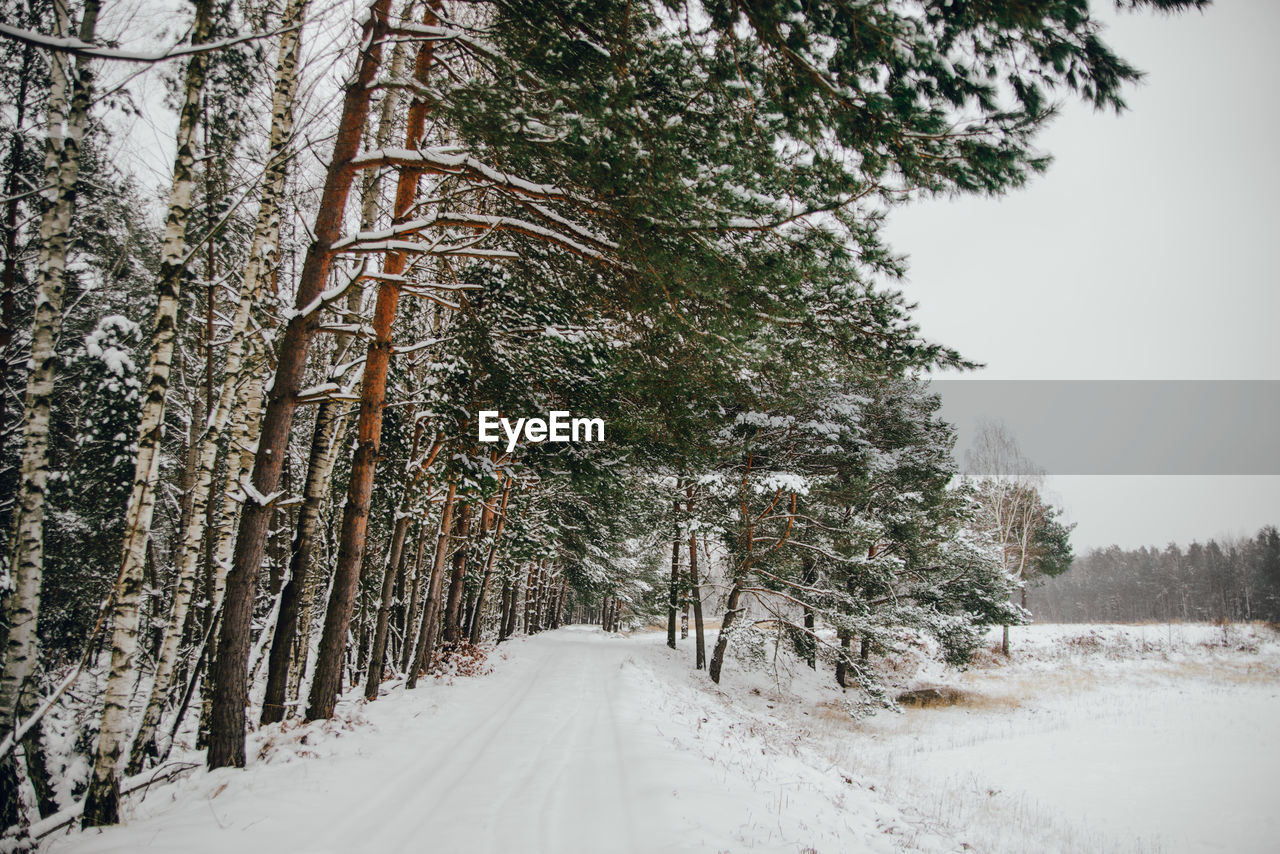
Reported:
(81, 48)
(444, 160)
(563, 222)
(251, 493)
(426, 32)
(390, 239)
(410, 246)
(328, 297)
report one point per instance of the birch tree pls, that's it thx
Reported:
(103, 798)
(67, 118)
(68, 114)
(1009, 493)
(262, 259)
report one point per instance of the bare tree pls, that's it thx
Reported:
(1008, 487)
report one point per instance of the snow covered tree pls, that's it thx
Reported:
(666, 214)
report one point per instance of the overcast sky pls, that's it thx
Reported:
(1151, 250)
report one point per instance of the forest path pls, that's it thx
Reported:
(555, 758)
(556, 751)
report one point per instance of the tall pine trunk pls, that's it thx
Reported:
(227, 724)
(291, 641)
(102, 801)
(504, 608)
(509, 628)
(290, 646)
(355, 514)
(415, 594)
(395, 558)
(722, 639)
(457, 579)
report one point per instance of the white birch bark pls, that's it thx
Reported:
(262, 258)
(68, 113)
(102, 800)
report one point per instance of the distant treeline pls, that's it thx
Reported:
(1234, 580)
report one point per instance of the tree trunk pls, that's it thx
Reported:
(722, 639)
(423, 648)
(504, 610)
(102, 799)
(355, 515)
(66, 122)
(695, 593)
(262, 258)
(842, 663)
(559, 603)
(378, 653)
(33, 759)
(283, 655)
(457, 579)
(486, 524)
(13, 193)
(415, 601)
(808, 646)
(525, 619)
(290, 645)
(673, 590)
(227, 730)
(513, 613)
(476, 617)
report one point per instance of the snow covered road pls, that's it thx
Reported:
(556, 751)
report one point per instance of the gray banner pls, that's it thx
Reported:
(1132, 427)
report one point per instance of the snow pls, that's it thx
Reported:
(1088, 739)
(251, 493)
(104, 343)
(1134, 738)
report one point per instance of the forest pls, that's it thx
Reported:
(241, 472)
(1229, 581)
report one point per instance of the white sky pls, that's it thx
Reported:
(1151, 250)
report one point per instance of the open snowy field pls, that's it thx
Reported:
(1091, 739)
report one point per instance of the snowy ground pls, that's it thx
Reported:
(1091, 739)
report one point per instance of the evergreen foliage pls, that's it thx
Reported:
(1232, 580)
